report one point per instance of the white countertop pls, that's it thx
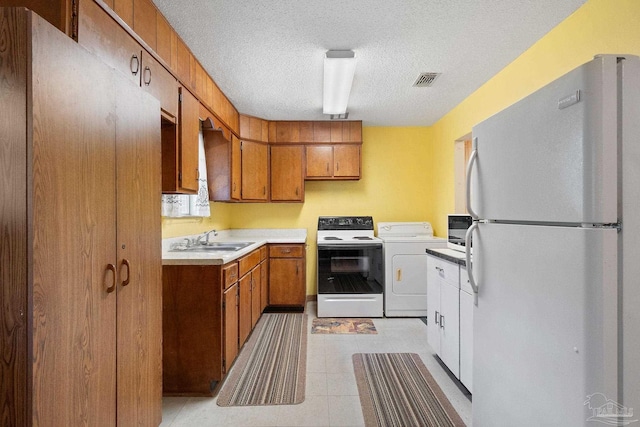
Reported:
(259, 237)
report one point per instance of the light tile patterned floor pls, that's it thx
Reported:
(331, 393)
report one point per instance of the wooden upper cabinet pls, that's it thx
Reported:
(254, 171)
(164, 35)
(189, 130)
(321, 132)
(346, 161)
(183, 68)
(309, 132)
(236, 168)
(105, 38)
(253, 128)
(319, 161)
(124, 9)
(287, 175)
(339, 161)
(145, 22)
(160, 83)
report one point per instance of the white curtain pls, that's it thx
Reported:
(177, 205)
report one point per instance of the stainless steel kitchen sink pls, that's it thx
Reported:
(211, 247)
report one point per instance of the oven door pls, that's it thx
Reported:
(350, 269)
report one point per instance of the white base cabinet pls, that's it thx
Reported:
(450, 316)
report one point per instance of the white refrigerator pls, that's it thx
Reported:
(554, 190)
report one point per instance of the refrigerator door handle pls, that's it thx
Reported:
(467, 250)
(472, 159)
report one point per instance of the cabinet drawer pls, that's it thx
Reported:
(248, 262)
(446, 270)
(286, 251)
(230, 274)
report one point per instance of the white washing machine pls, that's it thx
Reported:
(405, 264)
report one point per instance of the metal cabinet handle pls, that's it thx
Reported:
(297, 269)
(297, 191)
(264, 189)
(134, 64)
(436, 317)
(337, 166)
(327, 167)
(285, 251)
(399, 275)
(442, 321)
(147, 72)
(125, 262)
(112, 268)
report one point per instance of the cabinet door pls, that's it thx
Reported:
(160, 83)
(254, 171)
(144, 22)
(189, 135)
(433, 305)
(73, 214)
(466, 340)
(287, 180)
(236, 168)
(256, 282)
(139, 257)
(264, 286)
(286, 281)
(231, 304)
(346, 161)
(104, 37)
(450, 327)
(244, 311)
(319, 161)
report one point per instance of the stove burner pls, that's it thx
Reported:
(332, 238)
(362, 238)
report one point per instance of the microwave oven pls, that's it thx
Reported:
(457, 230)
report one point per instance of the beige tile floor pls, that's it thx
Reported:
(331, 393)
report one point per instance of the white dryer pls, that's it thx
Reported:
(405, 264)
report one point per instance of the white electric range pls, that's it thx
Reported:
(350, 267)
(405, 263)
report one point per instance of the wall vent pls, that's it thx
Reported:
(426, 79)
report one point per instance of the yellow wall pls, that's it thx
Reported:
(393, 187)
(599, 26)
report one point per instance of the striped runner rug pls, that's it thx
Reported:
(271, 367)
(396, 389)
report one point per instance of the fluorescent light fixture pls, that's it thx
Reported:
(339, 67)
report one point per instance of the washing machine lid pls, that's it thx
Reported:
(405, 231)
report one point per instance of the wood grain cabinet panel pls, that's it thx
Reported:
(319, 161)
(287, 175)
(145, 22)
(230, 307)
(160, 83)
(346, 160)
(254, 171)
(244, 311)
(124, 9)
(164, 47)
(287, 275)
(189, 134)
(104, 37)
(96, 348)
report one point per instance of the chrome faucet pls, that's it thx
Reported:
(205, 237)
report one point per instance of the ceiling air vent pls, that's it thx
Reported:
(426, 79)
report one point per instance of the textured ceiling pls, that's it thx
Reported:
(267, 56)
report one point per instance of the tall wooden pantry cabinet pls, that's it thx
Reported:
(80, 250)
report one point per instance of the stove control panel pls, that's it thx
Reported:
(345, 223)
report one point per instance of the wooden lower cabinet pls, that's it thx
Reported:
(287, 275)
(230, 308)
(209, 312)
(81, 318)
